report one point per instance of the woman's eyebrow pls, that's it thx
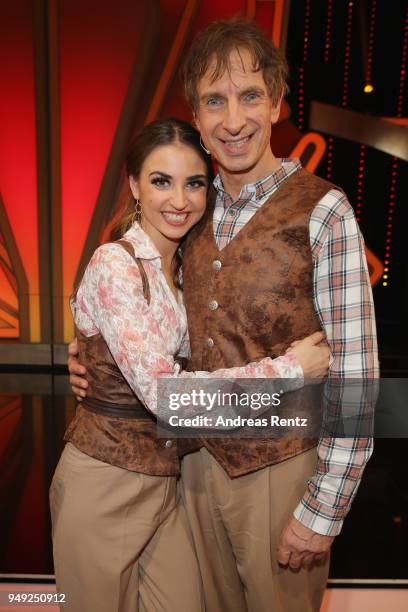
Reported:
(164, 174)
(194, 177)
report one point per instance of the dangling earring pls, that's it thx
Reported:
(138, 211)
(203, 147)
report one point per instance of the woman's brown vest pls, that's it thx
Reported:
(112, 424)
(251, 300)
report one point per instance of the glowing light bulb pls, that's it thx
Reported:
(368, 88)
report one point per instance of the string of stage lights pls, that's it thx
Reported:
(347, 55)
(301, 86)
(395, 166)
(328, 32)
(360, 181)
(368, 88)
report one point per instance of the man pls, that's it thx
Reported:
(277, 256)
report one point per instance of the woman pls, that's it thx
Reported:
(120, 537)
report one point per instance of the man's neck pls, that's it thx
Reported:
(234, 182)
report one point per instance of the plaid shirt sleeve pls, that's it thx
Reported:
(343, 301)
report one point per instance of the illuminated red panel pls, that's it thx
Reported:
(9, 325)
(18, 148)
(8, 320)
(264, 16)
(97, 51)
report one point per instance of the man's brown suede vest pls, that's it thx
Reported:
(126, 441)
(251, 300)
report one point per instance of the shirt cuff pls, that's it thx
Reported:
(316, 519)
(290, 372)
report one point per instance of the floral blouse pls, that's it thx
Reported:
(144, 339)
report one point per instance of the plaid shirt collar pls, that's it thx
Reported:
(257, 193)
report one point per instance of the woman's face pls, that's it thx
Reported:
(172, 189)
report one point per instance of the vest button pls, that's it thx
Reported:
(169, 443)
(217, 265)
(210, 342)
(213, 305)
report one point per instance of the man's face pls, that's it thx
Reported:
(234, 116)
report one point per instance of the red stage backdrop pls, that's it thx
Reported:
(80, 78)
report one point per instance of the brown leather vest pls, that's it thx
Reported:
(130, 440)
(251, 300)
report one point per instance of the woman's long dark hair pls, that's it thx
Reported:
(155, 134)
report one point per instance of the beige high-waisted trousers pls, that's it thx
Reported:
(236, 525)
(121, 541)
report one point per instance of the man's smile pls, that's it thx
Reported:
(236, 145)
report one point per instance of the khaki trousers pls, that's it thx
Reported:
(236, 525)
(121, 540)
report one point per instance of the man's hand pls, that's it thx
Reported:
(301, 546)
(313, 355)
(77, 372)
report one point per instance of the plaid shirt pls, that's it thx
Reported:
(343, 300)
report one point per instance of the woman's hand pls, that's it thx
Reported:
(313, 354)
